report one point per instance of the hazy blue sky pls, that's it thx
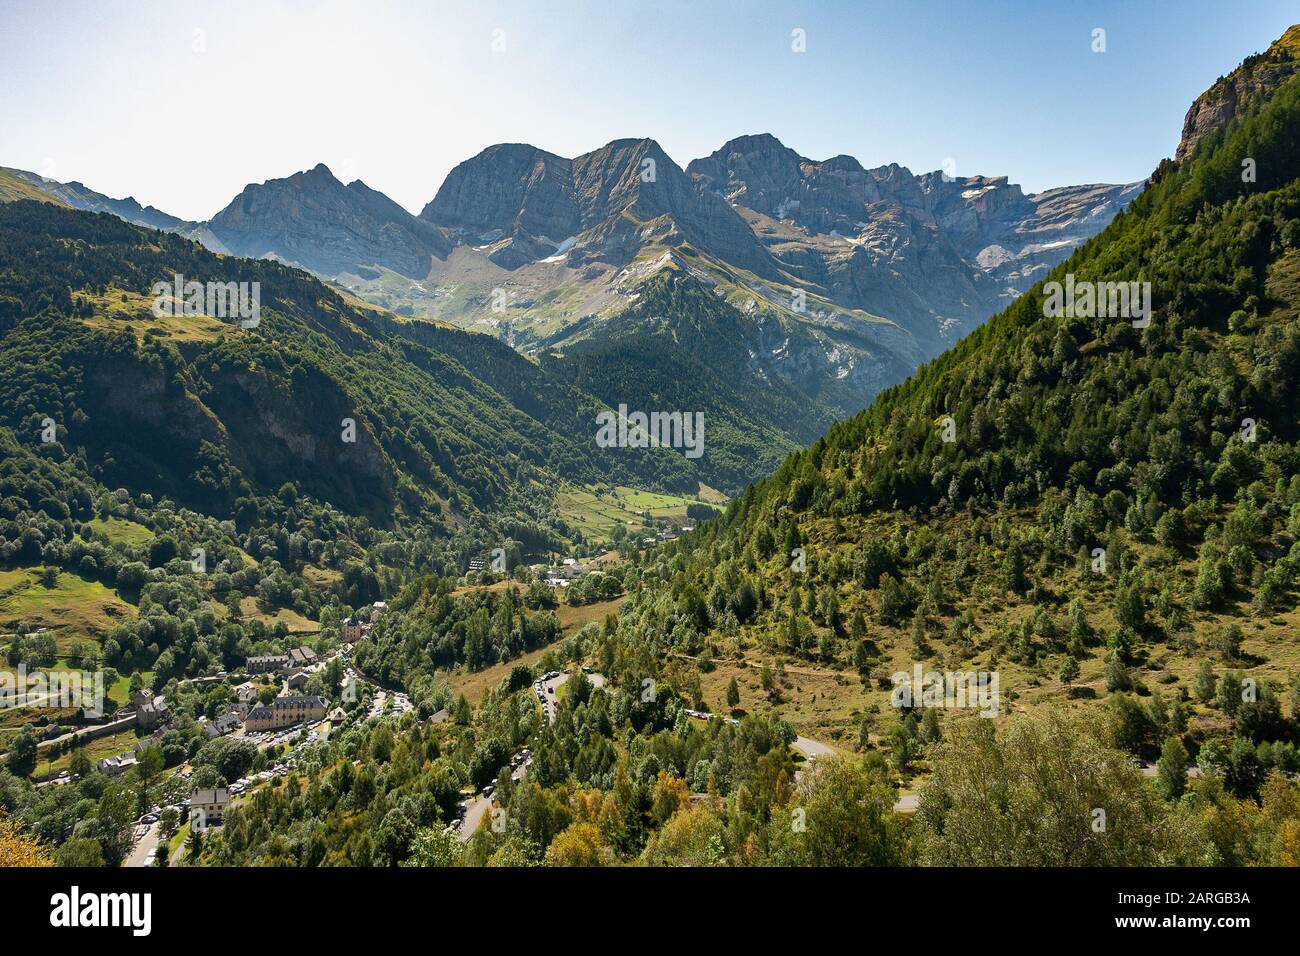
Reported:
(128, 98)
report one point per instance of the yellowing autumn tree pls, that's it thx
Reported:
(670, 795)
(19, 849)
(577, 845)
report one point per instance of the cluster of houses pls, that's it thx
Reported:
(299, 657)
(295, 669)
(357, 627)
(664, 534)
(149, 711)
(564, 574)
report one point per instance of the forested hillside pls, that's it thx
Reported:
(1098, 508)
(1115, 516)
(1112, 530)
(213, 414)
(680, 347)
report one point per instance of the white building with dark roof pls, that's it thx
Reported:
(208, 806)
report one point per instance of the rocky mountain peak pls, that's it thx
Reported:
(508, 189)
(313, 220)
(1234, 94)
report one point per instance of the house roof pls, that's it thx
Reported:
(218, 795)
(290, 700)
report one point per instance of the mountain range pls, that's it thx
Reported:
(1091, 507)
(978, 609)
(839, 280)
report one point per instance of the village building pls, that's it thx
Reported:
(353, 630)
(153, 740)
(225, 724)
(296, 678)
(285, 712)
(570, 571)
(150, 710)
(209, 805)
(267, 664)
(260, 717)
(115, 765)
(302, 657)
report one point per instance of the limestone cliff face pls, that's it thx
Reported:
(521, 204)
(312, 220)
(761, 173)
(934, 253)
(516, 198)
(1235, 93)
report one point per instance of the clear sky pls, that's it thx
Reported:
(126, 96)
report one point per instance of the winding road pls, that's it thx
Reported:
(480, 805)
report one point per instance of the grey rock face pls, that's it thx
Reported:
(313, 220)
(936, 254)
(761, 173)
(605, 205)
(1231, 95)
(517, 198)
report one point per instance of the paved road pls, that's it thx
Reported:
(815, 749)
(141, 850)
(480, 805)
(1151, 770)
(550, 689)
(812, 749)
(549, 700)
(474, 813)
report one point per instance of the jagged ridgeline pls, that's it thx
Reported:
(1054, 403)
(449, 426)
(970, 504)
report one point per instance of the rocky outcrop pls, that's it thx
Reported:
(761, 173)
(1234, 94)
(516, 198)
